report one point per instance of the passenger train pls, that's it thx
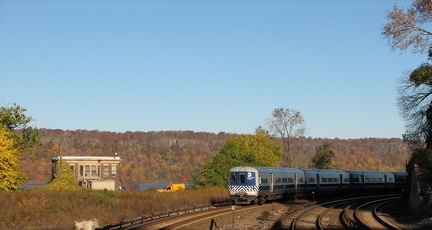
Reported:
(254, 184)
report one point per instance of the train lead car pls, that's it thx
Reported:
(254, 184)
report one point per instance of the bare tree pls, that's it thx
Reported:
(404, 27)
(415, 102)
(289, 126)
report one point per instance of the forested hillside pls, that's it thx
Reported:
(167, 156)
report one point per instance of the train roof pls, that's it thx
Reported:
(369, 172)
(265, 169)
(325, 171)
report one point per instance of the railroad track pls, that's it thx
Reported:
(352, 213)
(338, 214)
(185, 219)
(369, 211)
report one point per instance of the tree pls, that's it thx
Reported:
(288, 125)
(13, 119)
(10, 178)
(323, 157)
(415, 104)
(404, 28)
(64, 179)
(244, 150)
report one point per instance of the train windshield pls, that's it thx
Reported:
(244, 178)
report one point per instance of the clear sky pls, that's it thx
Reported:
(212, 66)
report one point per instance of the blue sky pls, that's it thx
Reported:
(212, 66)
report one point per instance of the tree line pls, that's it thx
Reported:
(170, 156)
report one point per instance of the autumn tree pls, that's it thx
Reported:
(406, 28)
(10, 178)
(323, 157)
(64, 179)
(13, 119)
(239, 150)
(289, 126)
(13, 125)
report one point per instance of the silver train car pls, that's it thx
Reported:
(254, 184)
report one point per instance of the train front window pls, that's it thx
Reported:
(233, 178)
(242, 178)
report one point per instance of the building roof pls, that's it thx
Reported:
(86, 158)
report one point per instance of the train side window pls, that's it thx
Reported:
(346, 179)
(233, 178)
(284, 180)
(323, 179)
(336, 180)
(264, 180)
(278, 180)
(311, 180)
(300, 180)
(290, 180)
(81, 170)
(366, 179)
(380, 180)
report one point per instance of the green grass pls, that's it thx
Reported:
(41, 208)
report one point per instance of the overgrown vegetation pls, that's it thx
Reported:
(42, 208)
(64, 179)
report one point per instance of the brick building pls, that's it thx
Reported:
(94, 172)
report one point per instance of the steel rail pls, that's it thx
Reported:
(357, 219)
(382, 221)
(294, 221)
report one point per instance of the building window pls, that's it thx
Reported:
(87, 170)
(72, 167)
(113, 170)
(105, 170)
(94, 170)
(81, 170)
